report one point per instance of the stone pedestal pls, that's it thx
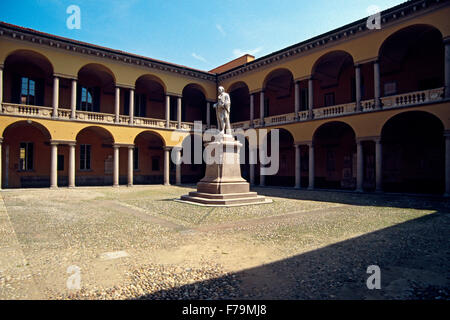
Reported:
(223, 184)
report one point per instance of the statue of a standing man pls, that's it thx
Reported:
(223, 107)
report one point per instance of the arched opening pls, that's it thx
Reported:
(279, 93)
(96, 89)
(334, 79)
(94, 160)
(193, 104)
(148, 158)
(192, 151)
(412, 59)
(26, 155)
(286, 172)
(413, 153)
(335, 156)
(149, 98)
(28, 79)
(240, 102)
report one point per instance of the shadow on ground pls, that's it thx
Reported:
(414, 259)
(429, 202)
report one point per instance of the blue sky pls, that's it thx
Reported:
(199, 34)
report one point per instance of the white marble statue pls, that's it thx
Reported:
(223, 107)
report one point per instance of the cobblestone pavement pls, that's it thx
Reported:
(137, 243)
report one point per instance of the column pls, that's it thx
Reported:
(55, 97)
(262, 178)
(54, 165)
(179, 112)
(116, 166)
(208, 114)
(359, 166)
(131, 107)
(376, 83)
(358, 87)
(378, 165)
(252, 163)
(252, 109)
(1, 84)
(166, 166)
(73, 100)
(447, 68)
(310, 98)
(167, 111)
(72, 165)
(297, 166)
(261, 108)
(117, 105)
(297, 99)
(178, 166)
(447, 164)
(311, 166)
(130, 166)
(1, 165)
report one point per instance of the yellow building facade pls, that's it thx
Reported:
(357, 108)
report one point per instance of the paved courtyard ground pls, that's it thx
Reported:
(137, 242)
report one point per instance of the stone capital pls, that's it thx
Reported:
(67, 142)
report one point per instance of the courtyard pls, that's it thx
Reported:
(137, 243)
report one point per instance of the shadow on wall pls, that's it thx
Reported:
(414, 259)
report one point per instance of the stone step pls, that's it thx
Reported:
(223, 195)
(226, 202)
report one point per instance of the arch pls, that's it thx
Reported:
(25, 54)
(240, 102)
(334, 156)
(148, 158)
(27, 161)
(236, 85)
(33, 123)
(28, 78)
(194, 171)
(279, 96)
(152, 77)
(99, 68)
(412, 59)
(331, 122)
(413, 153)
(276, 73)
(196, 86)
(103, 132)
(329, 57)
(155, 133)
(149, 96)
(193, 103)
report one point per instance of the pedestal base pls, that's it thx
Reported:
(223, 184)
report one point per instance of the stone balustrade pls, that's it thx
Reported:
(411, 98)
(396, 101)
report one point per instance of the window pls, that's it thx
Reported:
(85, 157)
(135, 158)
(140, 100)
(87, 99)
(329, 99)
(60, 162)
(26, 156)
(304, 99)
(390, 88)
(28, 91)
(155, 164)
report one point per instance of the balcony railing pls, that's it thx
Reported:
(397, 101)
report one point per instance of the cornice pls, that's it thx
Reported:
(17, 33)
(344, 33)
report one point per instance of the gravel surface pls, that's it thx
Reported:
(136, 243)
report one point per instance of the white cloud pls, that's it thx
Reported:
(240, 52)
(219, 27)
(198, 57)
